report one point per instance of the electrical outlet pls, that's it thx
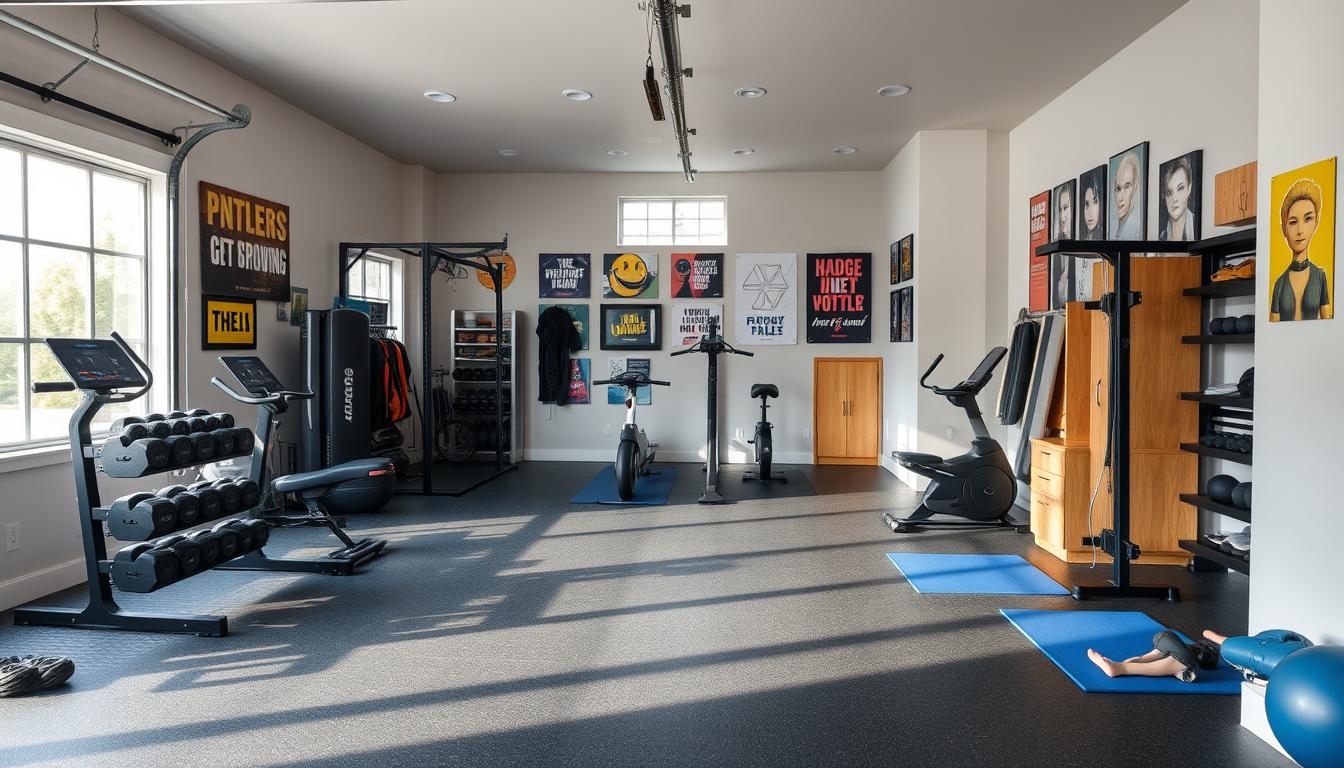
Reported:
(606, 430)
(738, 434)
(807, 433)
(11, 537)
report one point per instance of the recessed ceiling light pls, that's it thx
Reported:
(749, 92)
(440, 97)
(574, 94)
(617, 152)
(655, 139)
(743, 151)
(893, 90)
(508, 153)
(845, 150)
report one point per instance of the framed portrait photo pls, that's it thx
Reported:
(1302, 243)
(1091, 204)
(1127, 216)
(632, 326)
(1062, 205)
(1179, 187)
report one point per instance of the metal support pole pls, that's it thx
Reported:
(497, 279)
(711, 494)
(428, 263)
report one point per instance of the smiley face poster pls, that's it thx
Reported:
(630, 276)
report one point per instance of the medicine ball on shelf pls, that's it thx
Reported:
(1241, 496)
(1220, 488)
(1216, 326)
(1246, 324)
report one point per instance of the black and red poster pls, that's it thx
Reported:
(697, 275)
(1038, 267)
(839, 298)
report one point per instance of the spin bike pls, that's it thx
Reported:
(633, 453)
(977, 486)
(764, 442)
(712, 345)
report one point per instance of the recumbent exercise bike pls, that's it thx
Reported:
(977, 486)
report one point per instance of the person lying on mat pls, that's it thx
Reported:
(1170, 656)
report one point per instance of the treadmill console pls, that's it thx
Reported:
(253, 374)
(96, 364)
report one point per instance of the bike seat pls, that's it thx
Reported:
(329, 476)
(916, 458)
(764, 390)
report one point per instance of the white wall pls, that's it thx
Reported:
(1189, 83)
(788, 212)
(900, 217)
(337, 189)
(1299, 418)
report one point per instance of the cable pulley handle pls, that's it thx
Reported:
(250, 400)
(932, 365)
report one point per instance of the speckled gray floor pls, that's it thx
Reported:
(509, 628)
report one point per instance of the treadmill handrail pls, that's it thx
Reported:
(270, 397)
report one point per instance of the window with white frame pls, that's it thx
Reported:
(74, 262)
(672, 221)
(375, 278)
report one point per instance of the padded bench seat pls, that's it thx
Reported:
(916, 458)
(322, 478)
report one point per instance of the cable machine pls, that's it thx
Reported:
(433, 256)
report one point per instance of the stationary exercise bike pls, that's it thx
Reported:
(763, 442)
(977, 486)
(633, 453)
(712, 345)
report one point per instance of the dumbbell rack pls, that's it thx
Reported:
(102, 611)
(473, 343)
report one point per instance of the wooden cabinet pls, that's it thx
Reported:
(1234, 196)
(1068, 466)
(846, 410)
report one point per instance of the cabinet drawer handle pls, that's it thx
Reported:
(1098, 395)
(1043, 478)
(1046, 453)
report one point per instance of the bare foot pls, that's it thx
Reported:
(1209, 634)
(1111, 668)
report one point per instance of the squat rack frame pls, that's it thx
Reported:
(432, 255)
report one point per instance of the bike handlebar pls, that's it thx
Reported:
(273, 397)
(925, 377)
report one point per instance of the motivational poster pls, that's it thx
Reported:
(697, 276)
(618, 365)
(766, 299)
(579, 371)
(564, 275)
(577, 312)
(630, 276)
(839, 298)
(1038, 267)
(691, 321)
(244, 245)
(631, 326)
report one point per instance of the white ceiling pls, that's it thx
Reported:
(363, 67)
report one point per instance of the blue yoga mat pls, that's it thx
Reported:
(1065, 636)
(649, 489)
(974, 574)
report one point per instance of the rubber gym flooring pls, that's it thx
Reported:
(511, 628)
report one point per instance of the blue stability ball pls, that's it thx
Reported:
(1305, 705)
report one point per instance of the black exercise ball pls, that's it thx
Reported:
(1246, 324)
(1241, 496)
(1220, 488)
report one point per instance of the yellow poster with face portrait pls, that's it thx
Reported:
(1302, 243)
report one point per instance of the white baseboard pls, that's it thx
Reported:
(31, 586)
(917, 482)
(1254, 718)
(607, 455)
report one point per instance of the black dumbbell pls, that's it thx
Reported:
(188, 553)
(170, 427)
(225, 420)
(149, 417)
(141, 516)
(246, 536)
(209, 500)
(144, 568)
(223, 442)
(177, 414)
(182, 452)
(231, 496)
(185, 504)
(134, 458)
(261, 532)
(197, 424)
(199, 412)
(202, 445)
(251, 492)
(208, 541)
(243, 440)
(228, 542)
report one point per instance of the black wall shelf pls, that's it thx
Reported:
(1238, 243)
(1204, 502)
(1222, 338)
(1217, 453)
(1223, 290)
(1205, 552)
(1229, 401)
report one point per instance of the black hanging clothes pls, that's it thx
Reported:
(557, 338)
